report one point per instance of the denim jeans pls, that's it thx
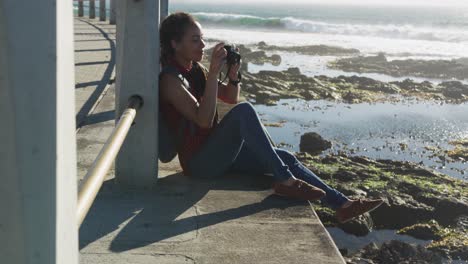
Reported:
(239, 144)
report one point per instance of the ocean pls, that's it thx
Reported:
(414, 32)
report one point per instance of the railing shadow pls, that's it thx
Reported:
(92, 99)
(168, 213)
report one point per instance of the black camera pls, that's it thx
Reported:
(233, 56)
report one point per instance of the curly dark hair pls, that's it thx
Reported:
(173, 27)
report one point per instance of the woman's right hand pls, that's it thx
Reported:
(218, 59)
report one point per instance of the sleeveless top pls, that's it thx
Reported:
(193, 135)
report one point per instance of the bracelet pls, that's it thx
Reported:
(236, 82)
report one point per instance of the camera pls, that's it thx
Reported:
(233, 56)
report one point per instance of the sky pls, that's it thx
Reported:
(347, 2)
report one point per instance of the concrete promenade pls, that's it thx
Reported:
(234, 219)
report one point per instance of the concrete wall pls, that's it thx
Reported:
(137, 70)
(37, 136)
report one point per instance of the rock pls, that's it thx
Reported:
(313, 143)
(310, 95)
(397, 252)
(401, 210)
(414, 195)
(425, 231)
(447, 209)
(345, 175)
(454, 89)
(352, 89)
(443, 69)
(294, 71)
(359, 226)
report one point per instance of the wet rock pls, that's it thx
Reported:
(447, 209)
(400, 211)
(413, 195)
(454, 89)
(345, 175)
(453, 244)
(359, 226)
(425, 231)
(313, 143)
(294, 71)
(260, 58)
(443, 69)
(351, 89)
(354, 97)
(411, 86)
(395, 252)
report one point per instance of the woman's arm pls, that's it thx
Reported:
(201, 113)
(229, 93)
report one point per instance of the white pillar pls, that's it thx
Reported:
(80, 8)
(38, 222)
(102, 10)
(137, 69)
(112, 12)
(164, 9)
(92, 9)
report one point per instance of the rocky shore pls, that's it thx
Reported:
(419, 202)
(267, 87)
(441, 69)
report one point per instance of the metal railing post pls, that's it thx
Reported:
(80, 8)
(102, 10)
(92, 9)
(112, 17)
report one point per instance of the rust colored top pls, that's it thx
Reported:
(193, 135)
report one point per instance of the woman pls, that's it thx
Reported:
(238, 142)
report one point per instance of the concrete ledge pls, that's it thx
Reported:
(233, 219)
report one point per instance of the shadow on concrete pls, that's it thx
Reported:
(168, 212)
(91, 40)
(91, 63)
(99, 117)
(92, 50)
(92, 99)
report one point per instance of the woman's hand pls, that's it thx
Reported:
(218, 59)
(232, 74)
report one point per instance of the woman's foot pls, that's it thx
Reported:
(354, 208)
(298, 189)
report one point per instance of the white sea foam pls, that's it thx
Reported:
(393, 31)
(401, 48)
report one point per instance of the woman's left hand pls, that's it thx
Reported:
(233, 71)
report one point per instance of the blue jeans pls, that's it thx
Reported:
(240, 144)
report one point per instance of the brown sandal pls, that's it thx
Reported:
(299, 190)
